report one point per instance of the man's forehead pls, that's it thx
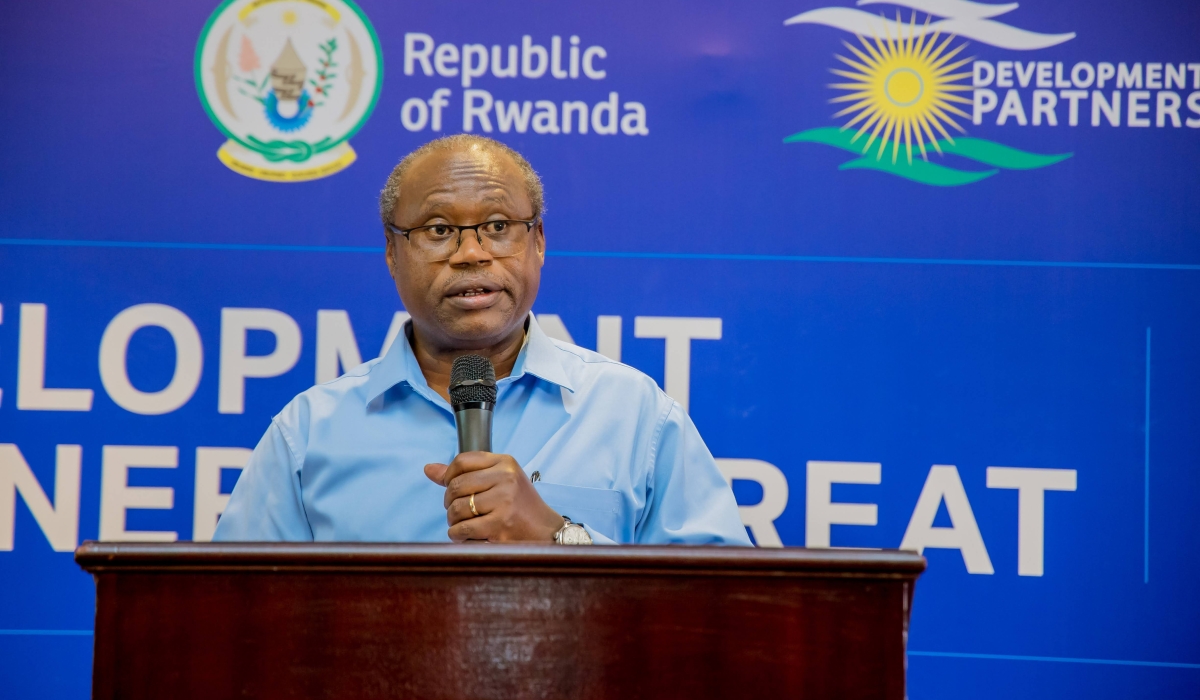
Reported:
(444, 176)
(466, 165)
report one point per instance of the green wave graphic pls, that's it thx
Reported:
(828, 135)
(982, 151)
(920, 171)
(998, 155)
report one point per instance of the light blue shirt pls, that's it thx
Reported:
(344, 460)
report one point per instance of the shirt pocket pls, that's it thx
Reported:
(603, 510)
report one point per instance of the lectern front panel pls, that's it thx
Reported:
(454, 621)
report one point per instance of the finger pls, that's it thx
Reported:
(481, 528)
(460, 509)
(470, 462)
(436, 473)
(472, 482)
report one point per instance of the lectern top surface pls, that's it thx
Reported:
(99, 557)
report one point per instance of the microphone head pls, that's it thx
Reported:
(472, 380)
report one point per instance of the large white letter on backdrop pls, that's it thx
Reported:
(210, 502)
(117, 496)
(679, 334)
(943, 483)
(337, 348)
(1031, 485)
(554, 328)
(760, 517)
(236, 366)
(608, 333)
(608, 337)
(60, 521)
(820, 511)
(189, 359)
(32, 394)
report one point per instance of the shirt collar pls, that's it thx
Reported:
(538, 357)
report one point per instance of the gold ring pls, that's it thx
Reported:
(473, 511)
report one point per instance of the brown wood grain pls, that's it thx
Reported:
(482, 621)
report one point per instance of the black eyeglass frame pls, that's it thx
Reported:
(529, 224)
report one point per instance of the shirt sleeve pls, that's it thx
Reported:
(688, 500)
(265, 505)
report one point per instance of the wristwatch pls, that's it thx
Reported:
(572, 533)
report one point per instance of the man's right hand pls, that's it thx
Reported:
(510, 508)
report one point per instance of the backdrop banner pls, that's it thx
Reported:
(919, 270)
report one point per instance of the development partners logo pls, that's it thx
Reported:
(288, 82)
(903, 88)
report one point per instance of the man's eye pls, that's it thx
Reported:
(440, 231)
(496, 226)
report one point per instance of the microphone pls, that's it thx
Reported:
(473, 396)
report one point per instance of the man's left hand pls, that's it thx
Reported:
(509, 507)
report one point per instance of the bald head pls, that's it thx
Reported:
(389, 197)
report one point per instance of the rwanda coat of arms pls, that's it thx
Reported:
(288, 81)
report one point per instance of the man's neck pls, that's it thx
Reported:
(435, 361)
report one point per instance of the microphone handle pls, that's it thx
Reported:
(474, 421)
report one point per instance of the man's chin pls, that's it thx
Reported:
(486, 325)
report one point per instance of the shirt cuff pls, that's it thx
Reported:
(597, 538)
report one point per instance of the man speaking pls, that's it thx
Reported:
(586, 449)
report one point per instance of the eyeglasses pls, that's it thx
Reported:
(500, 238)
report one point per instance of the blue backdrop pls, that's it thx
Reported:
(1017, 297)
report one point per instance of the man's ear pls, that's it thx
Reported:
(389, 253)
(541, 243)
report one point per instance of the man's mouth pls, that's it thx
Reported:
(470, 296)
(472, 292)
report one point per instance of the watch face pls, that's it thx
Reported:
(576, 534)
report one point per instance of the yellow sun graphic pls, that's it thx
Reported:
(903, 90)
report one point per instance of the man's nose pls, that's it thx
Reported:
(470, 251)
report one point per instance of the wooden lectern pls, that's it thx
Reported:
(354, 621)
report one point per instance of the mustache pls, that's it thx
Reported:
(474, 277)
